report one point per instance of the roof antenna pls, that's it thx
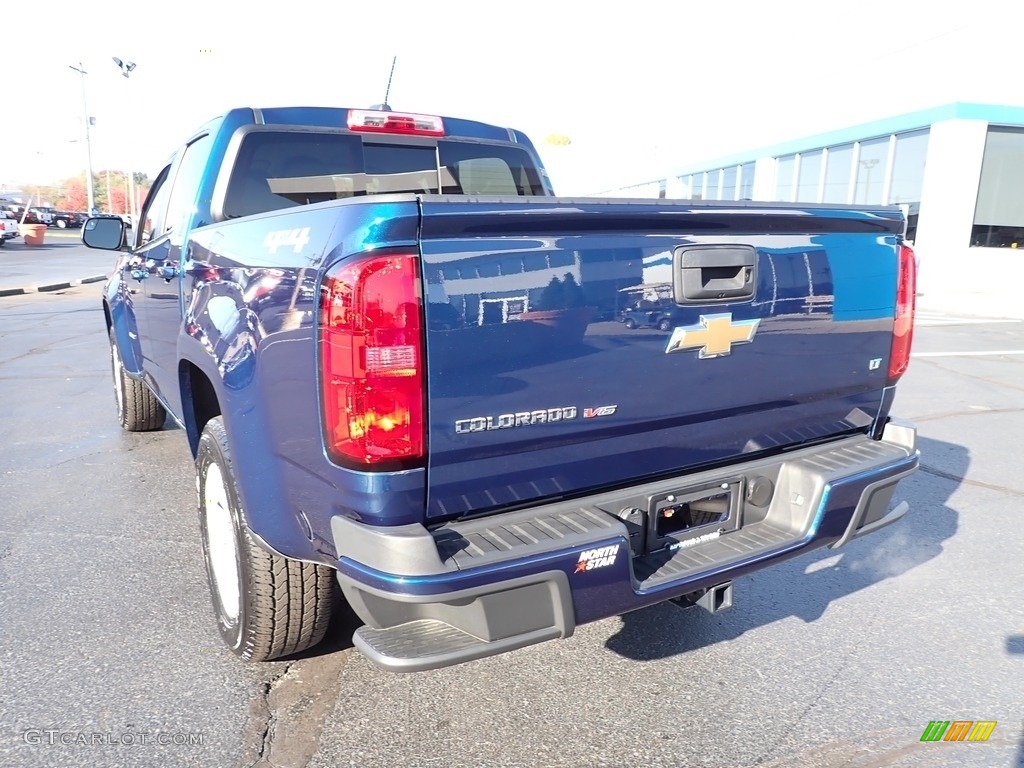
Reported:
(384, 107)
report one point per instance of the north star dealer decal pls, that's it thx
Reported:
(596, 558)
(528, 418)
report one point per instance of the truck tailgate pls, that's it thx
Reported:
(754, 328)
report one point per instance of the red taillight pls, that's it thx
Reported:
(395, 122)
(903, 327)
(371, 362)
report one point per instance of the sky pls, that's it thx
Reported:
(640, 88)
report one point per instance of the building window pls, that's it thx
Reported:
(729, 183)
(837, 174)
(747, 181)
(784, 167)
(810, 177)
(908, 176)
(714, 181)
(999, 213)
(871, 171)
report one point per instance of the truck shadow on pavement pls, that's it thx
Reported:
(806, 586)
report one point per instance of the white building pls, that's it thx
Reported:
(957, 170)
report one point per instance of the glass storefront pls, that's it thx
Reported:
(784, 168)
(747, 181)
(908, 175)
(871, 165)
(999, 213)
(837, 174)
(881, 170)
(810, 177)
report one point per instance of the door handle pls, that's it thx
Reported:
(705, 274)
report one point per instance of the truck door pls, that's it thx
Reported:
(151, 247)
(163, 302)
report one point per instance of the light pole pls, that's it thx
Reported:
(88, 147)
(126, 68)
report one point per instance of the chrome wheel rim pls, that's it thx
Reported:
(221, 543)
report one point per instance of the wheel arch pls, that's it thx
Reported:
(121, 319)
(199, 401)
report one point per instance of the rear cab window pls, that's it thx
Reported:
(276, 169)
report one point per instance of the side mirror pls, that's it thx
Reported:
(106, 234)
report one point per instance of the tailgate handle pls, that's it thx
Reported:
(704, 274)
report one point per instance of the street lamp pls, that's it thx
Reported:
(88, 147)
(126, 68)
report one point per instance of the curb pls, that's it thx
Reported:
(48, 287)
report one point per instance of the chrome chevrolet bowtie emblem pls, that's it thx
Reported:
(714, 336)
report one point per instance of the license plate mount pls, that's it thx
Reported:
(691, 515)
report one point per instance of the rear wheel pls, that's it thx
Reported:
(138, 410)
(630, 323)
(266, 606)
(61, 224)
(665, 324)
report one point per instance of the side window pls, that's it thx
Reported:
(152, 218)
(187, 180)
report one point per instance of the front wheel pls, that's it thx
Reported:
(665, 325)
(630, 323)
(266, 606)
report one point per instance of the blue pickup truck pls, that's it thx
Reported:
(397, 359)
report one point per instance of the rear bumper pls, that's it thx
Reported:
(480, 587)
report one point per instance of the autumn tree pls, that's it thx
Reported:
(74, 197)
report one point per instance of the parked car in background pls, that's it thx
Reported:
(13, 210)
(71, 219)
(42, 216)
(62, 219)
(125, 217)
(18, 211)
(8, 227)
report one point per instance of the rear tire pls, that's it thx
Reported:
(138, 410)
(665, 325)
(266, 606)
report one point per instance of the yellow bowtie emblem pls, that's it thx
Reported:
(714, 336)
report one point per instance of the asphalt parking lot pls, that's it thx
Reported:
(838, 658)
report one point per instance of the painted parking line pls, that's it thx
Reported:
(933, 319)
(973, 353)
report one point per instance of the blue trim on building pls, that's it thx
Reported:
(991, 113)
